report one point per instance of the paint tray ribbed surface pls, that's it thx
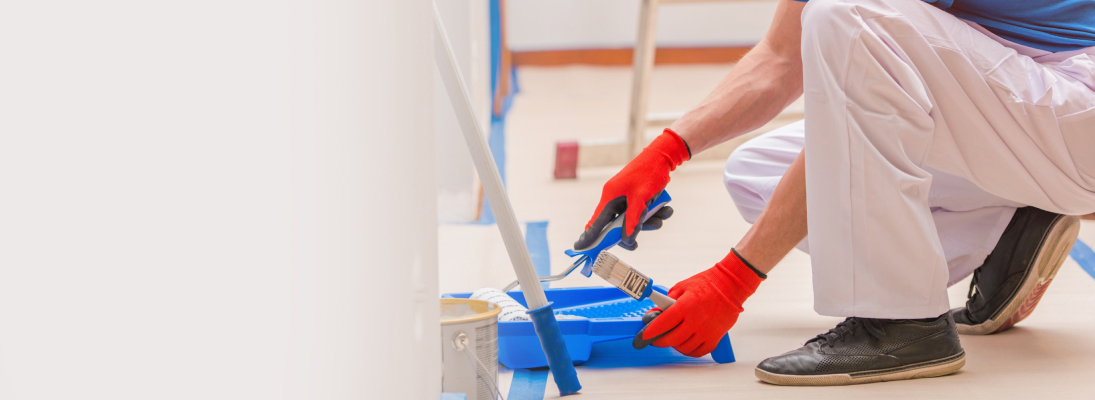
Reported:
(608, 314)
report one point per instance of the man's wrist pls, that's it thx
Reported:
(735, 279)
(747, 264)
(673, 133)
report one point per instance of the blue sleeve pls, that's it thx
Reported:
(938, 3)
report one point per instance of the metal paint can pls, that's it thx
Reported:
(469, 348)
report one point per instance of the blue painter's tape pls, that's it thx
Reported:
(1084, 256)
(528, 384)
(453, 396)
(497, 144)
(537, 243)
(497, 139)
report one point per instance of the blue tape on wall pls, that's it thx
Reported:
(497, 144)
(1084, 256)
(497, 139)
(537, 243)
(528, 384)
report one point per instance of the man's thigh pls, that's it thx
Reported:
(756, 167)
(969, 220)
(1016, 127)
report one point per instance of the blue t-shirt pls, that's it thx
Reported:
(1050, 25)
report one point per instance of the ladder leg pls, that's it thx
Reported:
(642, 66)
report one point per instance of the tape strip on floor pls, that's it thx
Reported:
(1083, 255)
(528, 384)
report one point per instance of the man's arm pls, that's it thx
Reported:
(761, 85)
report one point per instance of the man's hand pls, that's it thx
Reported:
(707, 306)
(633, 187)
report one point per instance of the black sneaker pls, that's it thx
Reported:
(862, 350)
(1007, 287)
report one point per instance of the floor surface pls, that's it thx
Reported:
(1050, 354)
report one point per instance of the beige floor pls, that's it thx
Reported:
(1050, 354)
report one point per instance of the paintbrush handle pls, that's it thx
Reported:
(662, 301)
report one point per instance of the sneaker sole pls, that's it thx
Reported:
(1055, 248)
(928, 369)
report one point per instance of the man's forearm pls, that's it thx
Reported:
(759, 87)
(755, 92)
(782, 224)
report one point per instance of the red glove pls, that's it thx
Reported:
(707, 306)
(629, 191)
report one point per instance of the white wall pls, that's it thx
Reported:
(591, 24)
(217, 199)
(467, 25)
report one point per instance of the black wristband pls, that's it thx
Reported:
(747, 264)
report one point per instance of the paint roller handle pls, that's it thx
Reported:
(656, 210)
(627, 193)
(612, 234)
(547, 329)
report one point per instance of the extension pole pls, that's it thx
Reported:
(542, 316)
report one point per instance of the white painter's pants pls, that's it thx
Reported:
(969, 220)
(893, 87)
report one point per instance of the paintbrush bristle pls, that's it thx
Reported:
(604, 264)
(620, 275)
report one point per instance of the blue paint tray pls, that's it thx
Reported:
(608, 313)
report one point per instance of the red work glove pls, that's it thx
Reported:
(633, 187)
(707, 306)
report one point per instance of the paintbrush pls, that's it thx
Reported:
(639, 287)
(629, 280)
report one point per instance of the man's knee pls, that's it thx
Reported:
(838, 22)
(744, 184)
(754, 169)
(828, 20)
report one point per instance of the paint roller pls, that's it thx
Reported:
(512, 310)
(541, 314)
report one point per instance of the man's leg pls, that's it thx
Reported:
(1027, 245)
(891, 88)
(755, 169)
(970, 221)
(781, 223)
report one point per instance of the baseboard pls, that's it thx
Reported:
(621, 57)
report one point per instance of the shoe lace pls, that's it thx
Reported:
(973, 288)
(848, 328)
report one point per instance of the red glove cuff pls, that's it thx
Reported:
(735, 279)
(672, 147)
